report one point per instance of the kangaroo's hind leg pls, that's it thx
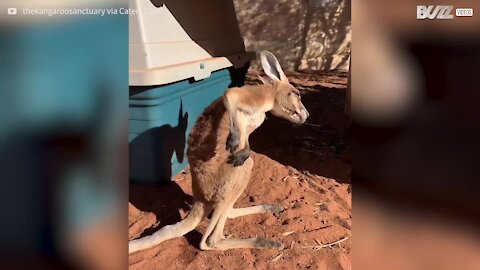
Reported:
(257, 209)
(214, 238)
(218, 212)
(233, 183)
(217, 241)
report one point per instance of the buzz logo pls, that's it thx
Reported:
(434, 12)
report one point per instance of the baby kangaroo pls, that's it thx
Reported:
(219, 173)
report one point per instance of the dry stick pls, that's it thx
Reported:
(287, 233)
(331, 244)
(326, 245)
(277, 258)
(320, 228)
(289, 176)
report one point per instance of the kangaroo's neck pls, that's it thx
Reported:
(270, 93)
(262, 98)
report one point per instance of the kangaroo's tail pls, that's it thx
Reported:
(170, 231)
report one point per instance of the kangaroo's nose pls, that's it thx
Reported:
(303, 115)
(307, 114)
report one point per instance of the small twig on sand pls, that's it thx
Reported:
(284, 179)
(321, 228)
(287, 233)
(330, 244)
(277, 258)
(326, 245)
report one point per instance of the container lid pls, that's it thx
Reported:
(173, 40)
(198, 70)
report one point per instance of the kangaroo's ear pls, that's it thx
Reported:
(271, 66)
(264, 80)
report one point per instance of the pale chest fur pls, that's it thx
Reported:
(251, 121)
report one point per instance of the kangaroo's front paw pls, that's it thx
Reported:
(233, 140)
(237, 159)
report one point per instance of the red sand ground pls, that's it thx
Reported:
(305, 169)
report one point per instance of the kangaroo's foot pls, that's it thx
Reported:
(259, 243)
(213, 238)
(258, 209)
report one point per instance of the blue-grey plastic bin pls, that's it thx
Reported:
(161, 119)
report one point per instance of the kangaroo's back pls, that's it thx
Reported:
(206, 145)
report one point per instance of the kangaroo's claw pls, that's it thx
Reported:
(237, 159)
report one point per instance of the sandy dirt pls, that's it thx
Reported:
(305, 169)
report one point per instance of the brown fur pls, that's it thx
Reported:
(206, 150)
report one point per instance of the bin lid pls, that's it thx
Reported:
(173, 40)
(198, 70)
